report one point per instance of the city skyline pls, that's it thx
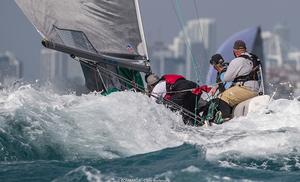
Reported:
(11, 69)
(19, 37)
(189, 52)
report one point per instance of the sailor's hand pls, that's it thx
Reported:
(213, 91)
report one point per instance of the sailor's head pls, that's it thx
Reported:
(216, 59)
(217, 62)
(239, 47)
(151, 80)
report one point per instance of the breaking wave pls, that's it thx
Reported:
(39, 124)
(36, 123)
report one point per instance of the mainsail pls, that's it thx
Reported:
(105, 33)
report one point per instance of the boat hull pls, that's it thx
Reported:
(251, 105)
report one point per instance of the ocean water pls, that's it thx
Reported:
(126, 136)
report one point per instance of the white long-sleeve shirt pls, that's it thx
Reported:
(240, 67)
(159, 91)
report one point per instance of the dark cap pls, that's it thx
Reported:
(216, 59)
(239, 44)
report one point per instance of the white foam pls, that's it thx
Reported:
(258, 134)
(92, 125)
(127, 123)
(191, 169)
(84, 172)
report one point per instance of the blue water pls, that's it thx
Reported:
(125, 136)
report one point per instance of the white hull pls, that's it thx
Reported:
(251, 105)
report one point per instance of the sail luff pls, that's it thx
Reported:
(140, 23)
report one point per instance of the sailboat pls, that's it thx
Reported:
(105, 36)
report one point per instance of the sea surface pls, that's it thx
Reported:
(126, 137)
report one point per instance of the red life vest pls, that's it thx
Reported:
(170, 81)
(172, 78)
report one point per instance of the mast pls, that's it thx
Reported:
(140, 23)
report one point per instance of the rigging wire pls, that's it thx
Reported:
(186, 112)
(176, 8)
(181, 22)
(108, 73)
(198, 19)
(201, 35)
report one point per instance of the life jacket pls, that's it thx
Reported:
(253, 75)
(170, 80)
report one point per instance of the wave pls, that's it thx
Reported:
(183, 163)
(37, 123)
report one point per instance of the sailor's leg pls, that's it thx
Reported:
(225, 108)
(201, 105)
(236, 95)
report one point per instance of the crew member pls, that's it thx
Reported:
(242, 72)
(217, 61)
(173, 88)
(217, 105)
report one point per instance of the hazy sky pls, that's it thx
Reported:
(160, 22)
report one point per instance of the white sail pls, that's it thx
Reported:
(104, 35)
(96, 26)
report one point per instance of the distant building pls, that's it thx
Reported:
(54, 65)
(10, 68)
(190, 51)
(196, 42)
(294, 60)
(277, 47)
(163, 60)
(159, 53)
(282, 61)
(59, 69)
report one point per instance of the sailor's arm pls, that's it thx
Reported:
(226, 84)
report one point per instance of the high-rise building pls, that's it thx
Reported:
(54, 65)
(203, 30)
(294, 59)
(197, 62)
(162, 59)
(196, 42)
(10, 68)
(282, 61)
(58, 68)
(276, 45)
